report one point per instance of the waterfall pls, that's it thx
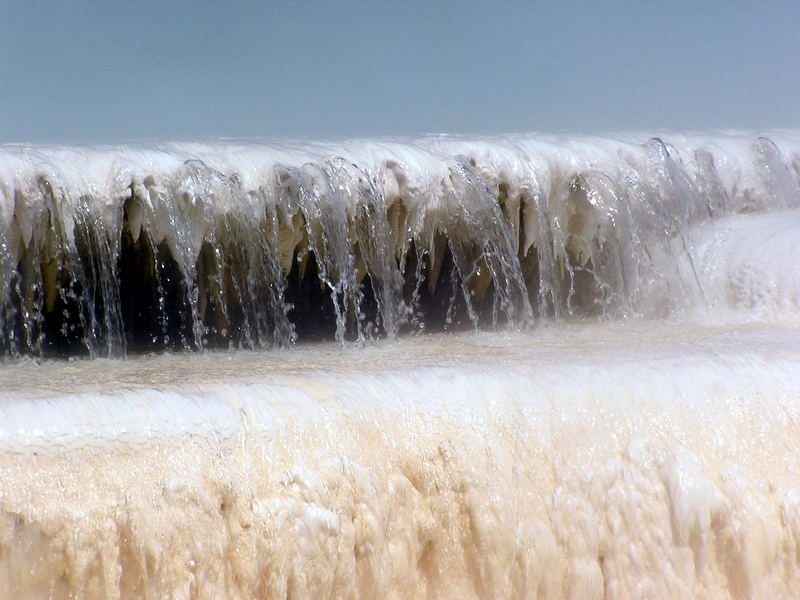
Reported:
(113, 250)
(525, 366)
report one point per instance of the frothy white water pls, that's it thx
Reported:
(581, 463)
(636, 437)
(192, 245)
(749, 264)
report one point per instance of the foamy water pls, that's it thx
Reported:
(630, 430)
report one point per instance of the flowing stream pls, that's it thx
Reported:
(517, 367)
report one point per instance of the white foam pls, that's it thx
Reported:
(750, 263)
(562, 227)
(636, 458)
(573, 464)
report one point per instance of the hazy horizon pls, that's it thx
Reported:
(80, 72)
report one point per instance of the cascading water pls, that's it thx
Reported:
(111, 248)
(555, 367)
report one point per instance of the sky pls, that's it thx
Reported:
(98, 71)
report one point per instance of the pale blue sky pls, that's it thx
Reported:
(106, 71)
